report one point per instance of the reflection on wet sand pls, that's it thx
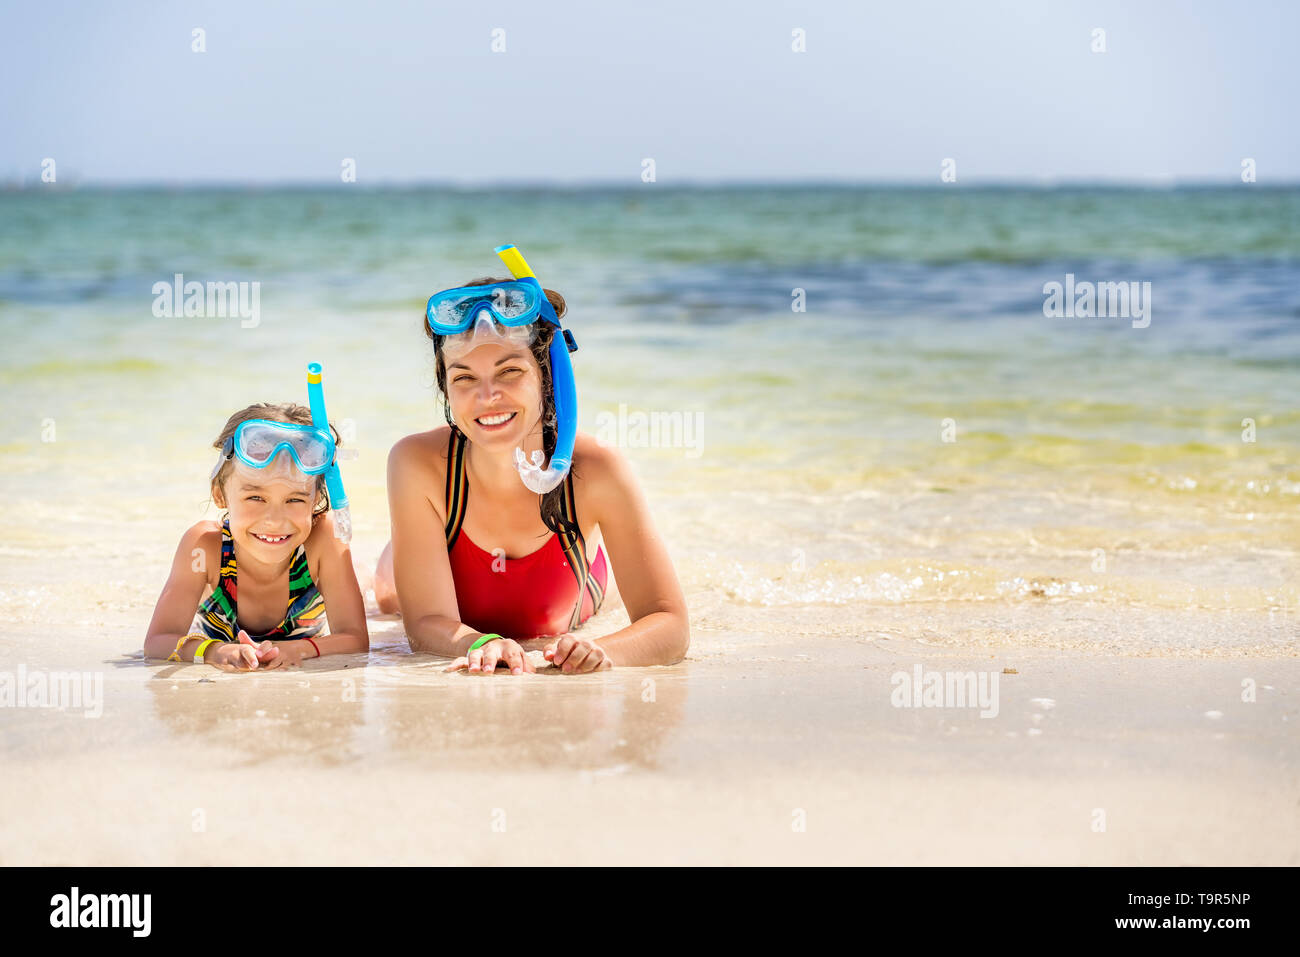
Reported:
(613, 720)
(395, 704)
(314, 711)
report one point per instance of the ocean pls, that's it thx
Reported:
(849, 409)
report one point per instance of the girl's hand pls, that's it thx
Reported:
(576, 656)
(231, 657)
(266, 651)
(289, 654)
(484, 660)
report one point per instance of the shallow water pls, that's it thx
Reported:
(921, 453)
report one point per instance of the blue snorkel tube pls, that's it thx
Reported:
(538, 479)
(333, 481)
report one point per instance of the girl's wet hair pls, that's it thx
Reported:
(552, 508)
(288, 412)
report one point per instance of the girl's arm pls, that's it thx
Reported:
(660, 631)
(174, 613)
(337, 581)
(421, 567)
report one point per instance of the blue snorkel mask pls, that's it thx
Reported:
(506, 313)
(257, 443)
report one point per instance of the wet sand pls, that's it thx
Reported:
(784, 750)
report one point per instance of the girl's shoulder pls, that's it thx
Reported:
(322, 544)
(202, 543)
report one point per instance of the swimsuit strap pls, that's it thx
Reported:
(574, 546)
(575, 549)
(221, 609)
(457, 486)
(303, 596)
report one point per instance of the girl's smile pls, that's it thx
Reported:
(272, 539)
(270, 509)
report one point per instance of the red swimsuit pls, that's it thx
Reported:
(531, 596)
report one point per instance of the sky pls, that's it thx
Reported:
(586, 92)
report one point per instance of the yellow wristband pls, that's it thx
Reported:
(176, 655)
(198, 653)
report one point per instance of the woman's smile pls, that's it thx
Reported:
(495, 421)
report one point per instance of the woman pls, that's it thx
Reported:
(481, 566)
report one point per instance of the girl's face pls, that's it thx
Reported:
(496, 394)
(270, 509)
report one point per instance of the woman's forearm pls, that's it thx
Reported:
(660, 638)
(440, 635)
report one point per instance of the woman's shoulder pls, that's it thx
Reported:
(601, 472)
(423, 450)
(417, 468)
(592, 455)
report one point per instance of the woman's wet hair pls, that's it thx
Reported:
(552, 502)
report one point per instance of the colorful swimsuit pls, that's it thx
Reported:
(305, 616)
(547, 592)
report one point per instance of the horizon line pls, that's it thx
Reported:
(1160, 182)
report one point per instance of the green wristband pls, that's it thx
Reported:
(482, 641)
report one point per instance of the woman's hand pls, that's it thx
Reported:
(484, 660)
(576, 656)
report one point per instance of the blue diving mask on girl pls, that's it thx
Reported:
(281, 449)
(507, 313)
(257, 442)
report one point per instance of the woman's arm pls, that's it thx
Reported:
(660, 631)
(421, 567)
(344, 607)
(174, 613)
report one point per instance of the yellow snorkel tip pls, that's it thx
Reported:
(515, 262)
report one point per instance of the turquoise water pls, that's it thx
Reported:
(1097, 488)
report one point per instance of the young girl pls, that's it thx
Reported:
(273, 565)
(483, 566)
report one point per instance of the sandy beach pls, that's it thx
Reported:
(1100, 517)
(952, 351)
(788, 752)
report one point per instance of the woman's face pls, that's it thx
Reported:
(495, 393)
(270, 508)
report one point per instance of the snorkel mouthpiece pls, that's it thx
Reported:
(537, 478)
(333, 480)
